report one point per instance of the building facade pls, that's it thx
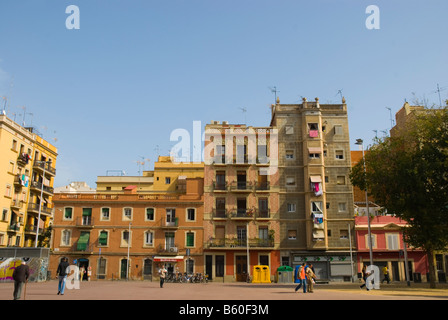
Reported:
(128, 234)
(241, 228)
(28, 165)
(315, 194)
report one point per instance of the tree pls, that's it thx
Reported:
(408, 174)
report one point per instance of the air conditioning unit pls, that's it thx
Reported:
(173, 249)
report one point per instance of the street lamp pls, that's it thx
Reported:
(361, 143)
(41, 201)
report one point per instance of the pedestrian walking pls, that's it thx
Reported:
(162, 275)
(62, 272)
(20, 276)
(365, 274)
(301, 275)
(386, 275)
(310, 276)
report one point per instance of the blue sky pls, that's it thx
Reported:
(113, 91)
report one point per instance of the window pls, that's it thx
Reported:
(341, 180)
(11, 166)
(262, 153)
(338, 129)
(125, 238)
(5, 214)
(14, 145)
(149, 214)
(191, 214)
(105, 214)
(127, 213)
(344, 234)
(392, 241)
(292, 234)
(291, 207)
(373, 239)
(102, 239)
(314, 155)
(169, 241)
(313, 130)
(289, 154)
(190, 239)
(149, 238)
(290, 181)
(8, 191)
(68, 214)
(289, 129)
(342, 207)
(65, 237)
(167, 180)
(339, 154)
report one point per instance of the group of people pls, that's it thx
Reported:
(306, 277)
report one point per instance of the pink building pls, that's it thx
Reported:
(388, 248)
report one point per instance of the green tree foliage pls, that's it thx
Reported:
(408, 175)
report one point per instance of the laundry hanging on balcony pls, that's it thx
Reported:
(316, 185)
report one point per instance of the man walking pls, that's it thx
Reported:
(20, 276)
(62, 271)
(162, 274)
(386, 275)
(310, 276)
(301, 274)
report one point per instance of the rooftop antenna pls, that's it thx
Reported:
(339, 93)
(4, 106)
(274, 91)
(438, 91)
(244, 111)
(391, 119)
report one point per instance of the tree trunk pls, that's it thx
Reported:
(432, 270)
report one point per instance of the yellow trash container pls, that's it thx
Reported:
(256, 278)
(261, 274)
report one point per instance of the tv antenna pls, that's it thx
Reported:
(244, 110)
(339, 93)
(4, 106)
(274, 91)
(391, 119)
(438, 91)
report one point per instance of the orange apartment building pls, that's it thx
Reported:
(241, 228)
(130, 233)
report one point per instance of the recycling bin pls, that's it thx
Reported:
(285, 274)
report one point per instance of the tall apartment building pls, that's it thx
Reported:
(315, 194)
(128, 230)
(241, 207)
(27, 163)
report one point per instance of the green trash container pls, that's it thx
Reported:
(285, 274)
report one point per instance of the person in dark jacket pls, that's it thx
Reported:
(62, 275)
(20, 276)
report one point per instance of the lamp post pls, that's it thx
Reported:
(360, 142)
(41, 201)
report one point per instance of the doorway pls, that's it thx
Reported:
(83, 265)
(241, 268)
(124, 268)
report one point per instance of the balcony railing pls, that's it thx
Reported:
(242, 213)
(241, 186)
(84, 221)
(44, 164)
(219, 213)
(219, 186)
(34, 207)
(38, 186)
(239, 243)
(33, 229)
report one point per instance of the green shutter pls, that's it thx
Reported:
(87, 212)
(83, 241)
(103, 238)
(190, 239)
(68, 213)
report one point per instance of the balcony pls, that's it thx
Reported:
(85, 222)
(34, 207)
(14, 227)
(241, 186)
(263, 214)
(41, 165)
(169, 223)
(219, 186)
(219, 214)
(32, 229)
(216, 243)
(37, 186)
(82, 247)
(168, 250)
(16, 204)
(242, 213)
(262, 186)
(23, 159)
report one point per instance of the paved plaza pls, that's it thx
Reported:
(145, 290)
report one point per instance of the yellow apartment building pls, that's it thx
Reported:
(27, 171)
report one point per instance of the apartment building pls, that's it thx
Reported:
(124, 232)
(241, 228)
(315, 194)
(26, 179)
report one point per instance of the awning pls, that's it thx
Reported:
(168, 258)
(316, 178)
(314, 150)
